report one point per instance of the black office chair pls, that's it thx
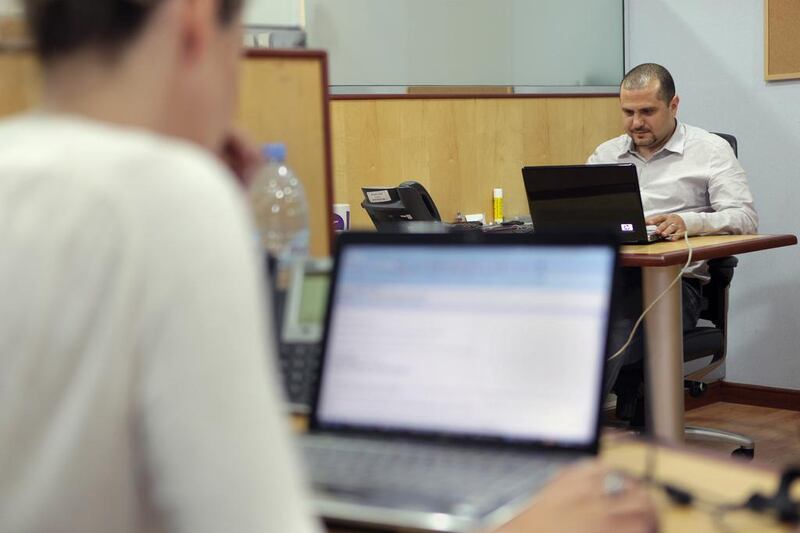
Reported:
(712, 340)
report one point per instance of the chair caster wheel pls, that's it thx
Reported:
(697, 388)
(744, 453)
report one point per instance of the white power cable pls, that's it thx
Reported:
(654, 302)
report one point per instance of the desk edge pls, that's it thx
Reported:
(765, 242)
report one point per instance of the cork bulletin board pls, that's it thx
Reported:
(781, 39)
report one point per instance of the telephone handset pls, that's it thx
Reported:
(424, 195)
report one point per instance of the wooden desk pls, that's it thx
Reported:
(660, 264)
(712, 477)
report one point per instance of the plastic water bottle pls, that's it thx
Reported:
(280, 208)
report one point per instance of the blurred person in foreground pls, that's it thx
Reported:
(135, 393)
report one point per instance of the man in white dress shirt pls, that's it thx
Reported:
(690, 181)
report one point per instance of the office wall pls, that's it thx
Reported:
(272, 12)
(461, 148)
(283, 97)
(469, 42)
(715, 52)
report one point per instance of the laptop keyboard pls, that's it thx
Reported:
(300, 369)
(477, 478)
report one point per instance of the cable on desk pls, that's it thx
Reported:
(654, 302)
(779, 507)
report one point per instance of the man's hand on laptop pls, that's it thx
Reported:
(591, 499)
(669, 226)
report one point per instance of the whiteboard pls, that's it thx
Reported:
(273, 13)
(545, 43)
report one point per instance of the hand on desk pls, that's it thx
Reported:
(669, 226)
(580, 499)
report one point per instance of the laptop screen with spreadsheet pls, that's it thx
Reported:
(503, 341)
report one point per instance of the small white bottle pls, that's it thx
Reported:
(497, 205)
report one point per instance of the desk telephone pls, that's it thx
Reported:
(300, 313)
(408, 202)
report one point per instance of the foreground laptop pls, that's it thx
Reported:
(459, 373)
(585, 197)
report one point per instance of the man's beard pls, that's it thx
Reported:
(647, 141)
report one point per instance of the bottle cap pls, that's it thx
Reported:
(274, 152)
(498, 193)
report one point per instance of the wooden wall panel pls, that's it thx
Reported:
(461, 148)
(13, 32)
(283, 97)
(19, 82)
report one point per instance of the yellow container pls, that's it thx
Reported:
(497, 206)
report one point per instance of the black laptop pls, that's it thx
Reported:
(459, 373)
(584, 197)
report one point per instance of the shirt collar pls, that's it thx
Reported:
(675, 144)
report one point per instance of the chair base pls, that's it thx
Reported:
(746, 445)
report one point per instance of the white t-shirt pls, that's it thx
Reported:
(136, 389)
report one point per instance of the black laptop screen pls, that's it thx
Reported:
(586, 197)
(503, 341)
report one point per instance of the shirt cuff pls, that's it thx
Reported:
(693, 222)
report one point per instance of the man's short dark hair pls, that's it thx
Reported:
(640, 77)
(61, 27)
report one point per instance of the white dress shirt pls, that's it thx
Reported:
(136, 392)
(695, 175)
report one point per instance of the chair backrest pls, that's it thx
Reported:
(721, 271)
(703, 341)
(712, 341)
(731, 140)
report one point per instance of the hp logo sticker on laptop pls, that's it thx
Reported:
(626, 227)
